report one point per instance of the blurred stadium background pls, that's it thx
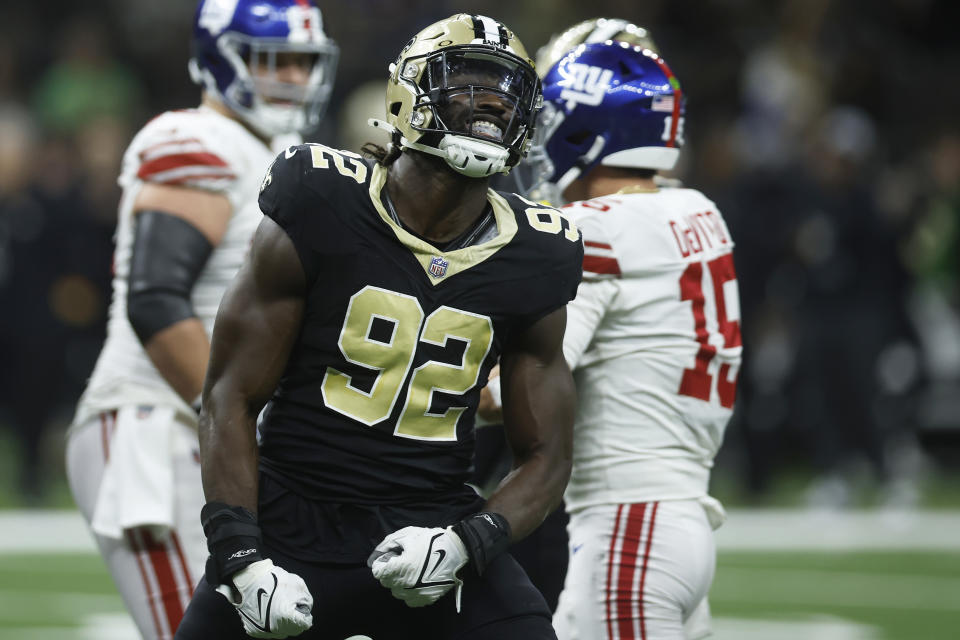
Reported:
(826, 131)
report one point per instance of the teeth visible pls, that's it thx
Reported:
(487, 130)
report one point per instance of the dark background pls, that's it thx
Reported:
(826, 131)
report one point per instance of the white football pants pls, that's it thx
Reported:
(155, 558)
(638, 572)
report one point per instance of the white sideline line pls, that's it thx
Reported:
(745, 530)
(820, 530)
(819, 627)
(37, 531)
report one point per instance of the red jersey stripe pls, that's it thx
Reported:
(183, 561)
(596, 245)
(169, 589)
(178, 160)
(643, 572)
(135, 546)
(628, 566)
(596, 264)
(610, 561)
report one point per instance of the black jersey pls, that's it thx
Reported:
(377, 402)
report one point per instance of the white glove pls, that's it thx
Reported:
(271, 601)
(419, 564)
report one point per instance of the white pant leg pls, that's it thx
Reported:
(637, 571)
(154, 567)
(699, 623)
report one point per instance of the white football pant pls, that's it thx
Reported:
(638, 572)
(155, 566)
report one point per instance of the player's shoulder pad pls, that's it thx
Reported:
(186, 148)
(548, 238)
(594, 219)
(313, 171)
(546, 228)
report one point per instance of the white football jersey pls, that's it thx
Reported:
(653, 337)
(195, 148)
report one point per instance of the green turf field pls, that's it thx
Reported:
(884, 595)
(54, 596)
(829, 596)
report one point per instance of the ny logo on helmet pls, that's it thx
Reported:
(584, 84)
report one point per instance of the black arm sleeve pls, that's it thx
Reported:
(168, 255)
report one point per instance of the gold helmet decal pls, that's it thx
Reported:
(464, 88)
(589, 31)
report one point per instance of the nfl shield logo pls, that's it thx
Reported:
(438, 267)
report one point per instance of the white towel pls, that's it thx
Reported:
(716, 514)
(137, 487)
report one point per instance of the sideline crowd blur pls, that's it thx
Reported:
(826, 131)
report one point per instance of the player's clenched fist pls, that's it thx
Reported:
(271, 601)
(419, 565)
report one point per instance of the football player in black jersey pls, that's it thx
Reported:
(376, 299)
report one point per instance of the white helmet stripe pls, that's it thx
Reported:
(489, 30)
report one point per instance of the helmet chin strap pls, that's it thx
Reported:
(468, 156)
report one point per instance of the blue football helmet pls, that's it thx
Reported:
(609, 103)
(234, 38)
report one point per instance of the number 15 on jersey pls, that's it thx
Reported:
(697, 381)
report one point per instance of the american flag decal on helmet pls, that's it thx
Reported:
(438, 267)
(662, 103)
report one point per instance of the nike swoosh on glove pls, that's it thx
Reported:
(419, 564)
(271, 601)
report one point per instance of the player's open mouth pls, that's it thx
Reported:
(487, 130)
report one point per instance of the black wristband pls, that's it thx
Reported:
(233, 540)
(485, 535)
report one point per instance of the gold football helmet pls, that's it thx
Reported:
(464, 89)
(587, 32)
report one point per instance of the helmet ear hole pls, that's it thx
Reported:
(395, 108)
